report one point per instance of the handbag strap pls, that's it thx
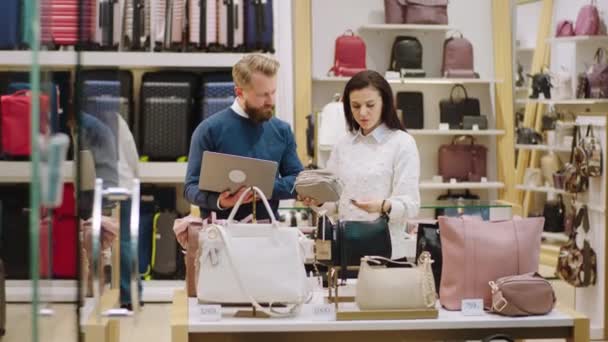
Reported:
(259, 192)
(270, 312)
(574, 143)
(463, 137)
(458, 86)
(589, 131)
(600, 55)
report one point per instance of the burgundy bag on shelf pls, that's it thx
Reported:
(463, 162)
(394, 11)
(429, 12)
(458, 58)
(565, 28)
(597, 76)
(349, 57)
(588, 20)
(476, 252)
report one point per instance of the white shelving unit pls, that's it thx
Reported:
(545, 189)
(122, 59)
(563, 102)
(416, 80)
(407, 27)
(448, 132)
(579, 39)
(429, 185)
(545, 148)
(150, 172)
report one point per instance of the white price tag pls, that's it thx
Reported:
(472, 307)
(324, 312)
(475, 127)
(453, 181)
(211, 313)
(444, 127)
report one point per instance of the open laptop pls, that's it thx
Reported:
(221, 172)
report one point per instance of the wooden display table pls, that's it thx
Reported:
(187, 325)
(105, 329)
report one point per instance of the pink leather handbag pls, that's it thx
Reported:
(429, 12)
(565, 28)
(463, 162)
(476, 252)
(394, 11)
(588, 20)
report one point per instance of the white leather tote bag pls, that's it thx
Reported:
(395, 288)
(252, 263)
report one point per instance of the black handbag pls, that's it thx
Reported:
(452, 111)
(554, 211)
(528, 136)
(467, 195)
(406, 57)
(429, 240)
(469, 121)
(411, 104)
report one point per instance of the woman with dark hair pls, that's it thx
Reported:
(377, 162)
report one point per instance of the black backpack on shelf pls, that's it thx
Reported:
(406, 57)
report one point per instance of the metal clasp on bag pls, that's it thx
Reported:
(500, 305)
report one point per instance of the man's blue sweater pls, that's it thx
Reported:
(227, 132)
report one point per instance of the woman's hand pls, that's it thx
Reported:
(372, 206)
(309, 202)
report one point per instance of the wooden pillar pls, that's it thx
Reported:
(302, 55)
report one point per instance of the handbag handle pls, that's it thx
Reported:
(349, 32)
(237, 276)
(259, 192)
(498, 337)
(463, 138)
(589, 133)
(600, 55)
(466, 95)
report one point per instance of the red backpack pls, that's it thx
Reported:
(349, 57)
(15, 122)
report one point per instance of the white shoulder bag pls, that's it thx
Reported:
(252, 263)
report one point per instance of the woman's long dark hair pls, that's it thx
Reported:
(370, 78)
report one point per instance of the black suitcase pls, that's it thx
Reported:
(165, 247)
(411, 104)
(15, 230)
(165, 128)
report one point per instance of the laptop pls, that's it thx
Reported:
(226, 172)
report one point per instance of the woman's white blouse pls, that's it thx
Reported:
(382, 165)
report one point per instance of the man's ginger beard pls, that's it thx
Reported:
(258, 114)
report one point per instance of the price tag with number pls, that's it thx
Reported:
(324, 312)
(210, 313)
(472, 307)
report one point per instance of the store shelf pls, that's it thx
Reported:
(525, 49)
(122, 59)
(150, 172)
(546, 148)
(558, 237)
(406, 27)
(414, 81)
(563, 102)
(521, 88)
(429, 185)
(579, 39)
(20, 291)
(448, 132)
(544, 189)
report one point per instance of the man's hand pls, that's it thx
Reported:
(228, 200)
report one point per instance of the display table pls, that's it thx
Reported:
(104, 329)
(187, 325)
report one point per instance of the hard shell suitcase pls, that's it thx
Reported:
(15, 231)
(165, 251)
(218, 89)
(168, 18)
(136, 24)
(107, 33)
(60, 21)
(15, 122)
(231, 26)
(97, 105)
(115, 86)
(214, 105)
(49, 89)
(259, 31)
(165, 128)
(64, 236)
(10, 25)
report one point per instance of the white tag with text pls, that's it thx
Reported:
(324, 312)
(211, 313)
(472, 307)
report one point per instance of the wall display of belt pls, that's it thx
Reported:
(462, 161)
(452, 110)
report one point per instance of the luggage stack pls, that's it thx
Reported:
(217, 96)
(138, 25)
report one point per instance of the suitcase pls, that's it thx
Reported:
(15, 122)
(259, 32)
(107, 27)
(146, 219)
(136, 24)
(168, 23)
(165, 251)
(48, 88)
(214, 105)
(218, 89)
(411, 104)
(165, 128)
(115, 86)
(60, 21)
(101, 104)
(231, 29)
(10, 25)
(15, 236)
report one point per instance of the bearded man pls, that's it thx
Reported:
(249, 129)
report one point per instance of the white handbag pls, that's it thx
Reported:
(252, 263)
(563, 88)
(395, 288)
(533, 177)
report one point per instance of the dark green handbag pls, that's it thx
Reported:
(356, 239)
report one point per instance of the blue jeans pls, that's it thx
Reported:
(125, 255)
